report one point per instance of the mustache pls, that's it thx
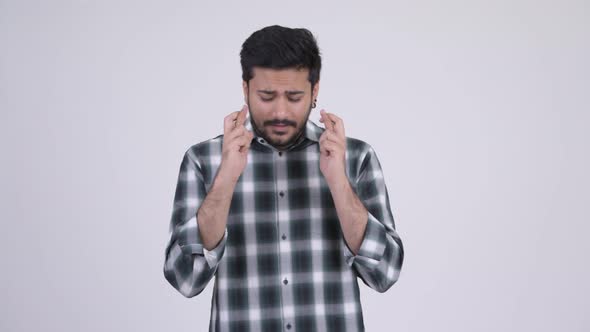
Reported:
(280, 122)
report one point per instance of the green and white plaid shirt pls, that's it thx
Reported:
(283, 263)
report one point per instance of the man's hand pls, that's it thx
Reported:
(212, 214)
(236, 144)
(332, 148)
(351, 211)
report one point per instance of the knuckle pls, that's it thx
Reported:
(231, 116)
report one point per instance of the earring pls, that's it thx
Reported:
(314, 103)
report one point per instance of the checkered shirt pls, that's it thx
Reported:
(283, 263)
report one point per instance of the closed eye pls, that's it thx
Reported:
(293, 100)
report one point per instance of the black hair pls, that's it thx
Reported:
(279, 47)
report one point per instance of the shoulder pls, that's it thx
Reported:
(204, 150)
(360, 157)
(357, 148)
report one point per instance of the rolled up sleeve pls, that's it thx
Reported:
(380, 257)
(188, 266)
(212, 256)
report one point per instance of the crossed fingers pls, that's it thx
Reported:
(234, 128)
(335, 124)
(334, 136)
(234, 119)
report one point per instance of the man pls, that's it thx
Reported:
(286, 214)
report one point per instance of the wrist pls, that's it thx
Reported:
(338, 182)
(224, 181)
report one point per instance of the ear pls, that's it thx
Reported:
(316, 90)
(245, 88)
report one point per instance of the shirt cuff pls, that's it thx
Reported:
(212, 256)
(373, 244)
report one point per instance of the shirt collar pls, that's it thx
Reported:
(312, 130)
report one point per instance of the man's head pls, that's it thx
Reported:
(281, 73)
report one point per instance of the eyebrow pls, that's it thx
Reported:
(289, 92)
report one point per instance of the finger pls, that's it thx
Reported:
(328, 134)
(240, 140)
(326, 121)
(323, 136)
(331, 147)
(236, 132)
(241, 116)
(247, 136)
(333, 137)
(338, 124)
(325, 148)
(228, 122)
(243, 142)
(246, 147)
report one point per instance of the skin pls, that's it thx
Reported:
(280, 96)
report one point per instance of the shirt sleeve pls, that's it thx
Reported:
(379, 260)
(188, 266)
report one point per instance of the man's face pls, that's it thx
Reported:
(280, 103)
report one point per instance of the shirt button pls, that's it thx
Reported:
(281, 194)
(284, 237)
(280, 153)
(285, 281)
(288, 326)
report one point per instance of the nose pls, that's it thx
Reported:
(281, 109)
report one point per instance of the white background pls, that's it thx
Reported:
(478, 112)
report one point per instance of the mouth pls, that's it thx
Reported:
(279, 126)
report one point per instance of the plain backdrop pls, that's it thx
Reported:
(477, 110)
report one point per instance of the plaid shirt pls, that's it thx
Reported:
(283, 263)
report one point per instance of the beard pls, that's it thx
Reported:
(281, 143)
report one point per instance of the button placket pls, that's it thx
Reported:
(283, 224)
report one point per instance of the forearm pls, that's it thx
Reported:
(213, 213)
(351, 212)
